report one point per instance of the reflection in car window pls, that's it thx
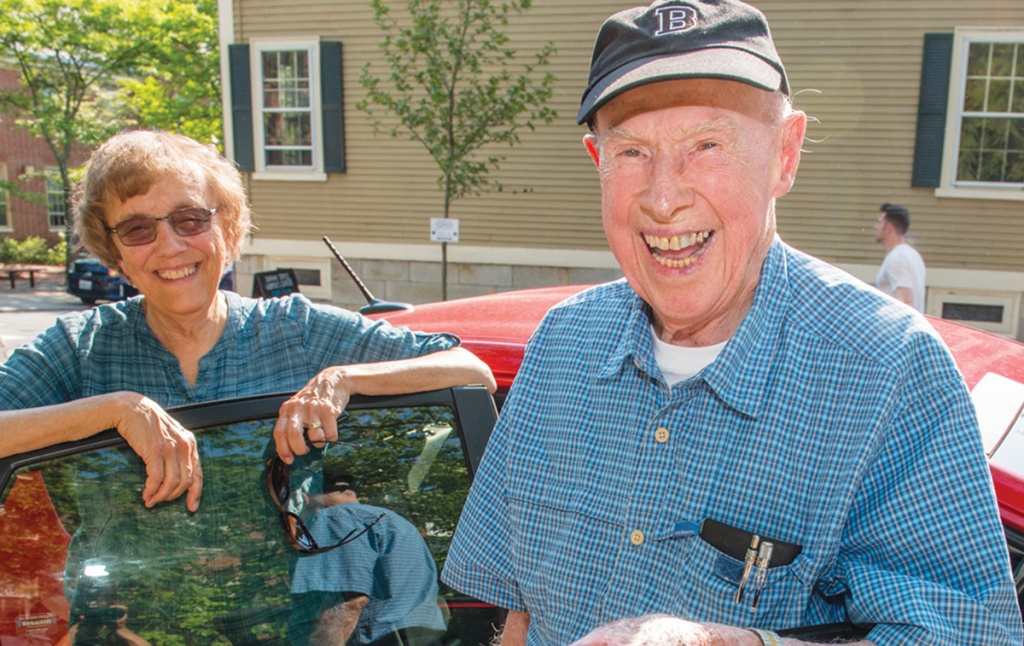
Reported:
(93, 562)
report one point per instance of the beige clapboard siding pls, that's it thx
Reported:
(854, 66)
(550, 197)
(868, 73)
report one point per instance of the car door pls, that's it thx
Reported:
(82, 561)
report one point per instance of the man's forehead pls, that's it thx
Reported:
(713, 93)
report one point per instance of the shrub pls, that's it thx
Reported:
(32, 251)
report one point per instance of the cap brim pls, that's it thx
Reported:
(724, 63)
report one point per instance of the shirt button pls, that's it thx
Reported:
(636, 537)
(661, 435)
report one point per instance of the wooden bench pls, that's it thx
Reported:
(11, 273)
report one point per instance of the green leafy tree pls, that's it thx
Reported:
(180, 88)
(452, 87)
(68, 53)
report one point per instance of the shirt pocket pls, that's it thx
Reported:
(561, 552)
(708, 580)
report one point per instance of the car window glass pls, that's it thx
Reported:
(80, 554)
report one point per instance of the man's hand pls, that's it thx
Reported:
(665, 630)
(167, 448)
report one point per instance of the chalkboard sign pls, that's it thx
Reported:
(277, 282)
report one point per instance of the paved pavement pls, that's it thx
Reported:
(25, 312)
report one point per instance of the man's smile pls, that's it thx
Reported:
(678, 251)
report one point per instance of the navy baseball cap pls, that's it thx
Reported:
(678, 39)
(337, 479)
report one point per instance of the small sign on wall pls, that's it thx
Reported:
(277, 282)
(444, 230)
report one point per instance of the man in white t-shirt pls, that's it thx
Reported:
(902, 271)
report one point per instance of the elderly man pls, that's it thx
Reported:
(738, 437)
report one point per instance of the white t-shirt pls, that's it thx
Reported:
(903, 267)
(678, 363)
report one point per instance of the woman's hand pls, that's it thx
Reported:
(311, 414)
(168, 449)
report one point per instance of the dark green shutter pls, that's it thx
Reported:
(931, 110)
(241, 107)
(331, 107)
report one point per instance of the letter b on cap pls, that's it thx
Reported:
(672, 20)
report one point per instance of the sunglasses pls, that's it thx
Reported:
(295, 531)
(141, 229)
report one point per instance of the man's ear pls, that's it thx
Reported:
(793, 130)
(590, 143)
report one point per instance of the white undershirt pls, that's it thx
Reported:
(678, 362)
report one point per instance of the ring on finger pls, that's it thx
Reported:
(312, 425)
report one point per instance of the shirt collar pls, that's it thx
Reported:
(740, 373)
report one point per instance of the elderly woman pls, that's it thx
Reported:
(170, 214)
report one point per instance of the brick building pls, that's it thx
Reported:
(28, 157)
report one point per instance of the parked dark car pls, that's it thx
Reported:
(92, 281)
(77, 547)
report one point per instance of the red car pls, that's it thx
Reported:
(82, 561)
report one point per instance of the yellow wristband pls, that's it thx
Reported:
(768, 638)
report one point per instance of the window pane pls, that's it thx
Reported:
(3, 197)
(1002, 59)
(285, 95)
(289, 157)
(1018, 93)
(1015, 136)
(56, 207)
(995, 134)
(977, 59)
(967, 166)
(998, 95)
(1015, 167)
(991, 167)
(974, 95)
(269, 64)
(970, 133)
(287, 129)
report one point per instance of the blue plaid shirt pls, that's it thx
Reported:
(834, 418)
(267, 346)
(390, 564)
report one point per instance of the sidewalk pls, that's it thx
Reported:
(48, 295)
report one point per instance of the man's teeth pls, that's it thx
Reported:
(677, 243)
(178, 273)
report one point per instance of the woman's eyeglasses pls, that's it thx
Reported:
(141, 229)
(295, 530)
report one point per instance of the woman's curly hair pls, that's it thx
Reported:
(130, 163)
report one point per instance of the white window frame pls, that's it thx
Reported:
(257, 47)
(53, 171)
(5, 202)
(948, 186)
